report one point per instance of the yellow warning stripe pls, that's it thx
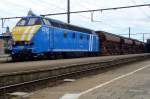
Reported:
(24, 33)
(26, 36)
(32, 32)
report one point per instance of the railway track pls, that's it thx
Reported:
(20, 80)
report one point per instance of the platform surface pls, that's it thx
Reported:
(128, 82)
(8, 68)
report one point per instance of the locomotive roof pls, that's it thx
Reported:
(86, 29)
(90, 31)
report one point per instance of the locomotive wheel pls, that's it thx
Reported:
(15, 58)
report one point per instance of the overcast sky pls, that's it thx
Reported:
(114, 21)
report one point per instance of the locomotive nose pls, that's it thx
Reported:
(24, 33)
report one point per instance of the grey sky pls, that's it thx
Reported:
(115, 21)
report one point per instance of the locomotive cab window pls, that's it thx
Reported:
(34, 21)
(47, 22)
(29, 21)
(22, 22)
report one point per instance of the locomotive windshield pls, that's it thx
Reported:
(29, 21)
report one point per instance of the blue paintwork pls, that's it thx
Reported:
(51, 39)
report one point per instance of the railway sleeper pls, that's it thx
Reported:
(8, 81)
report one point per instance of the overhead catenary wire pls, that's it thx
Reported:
(86, 4)
(43, 2)
(21, 7)
(144, 2)
(86, 11)
(105, 9)
(148, 16)
(142, 34)
(102, 22)
(83, 11)
(114, 8)
(105, 23)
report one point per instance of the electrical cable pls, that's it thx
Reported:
(148, 16)
(102, 22)
(144, 2)
(83, 11)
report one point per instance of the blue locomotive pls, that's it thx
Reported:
(37, 36)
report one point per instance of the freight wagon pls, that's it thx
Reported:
(112, 44)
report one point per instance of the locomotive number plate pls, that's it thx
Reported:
(21, 47)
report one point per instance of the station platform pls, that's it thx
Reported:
(31, 66)
(22, 73)
(131, 81)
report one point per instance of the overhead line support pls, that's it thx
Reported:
(83, 11)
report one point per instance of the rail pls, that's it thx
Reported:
(4, 55)
(28, 78)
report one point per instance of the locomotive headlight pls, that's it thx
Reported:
(25, 43)
(28, 43)
(14, 43)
